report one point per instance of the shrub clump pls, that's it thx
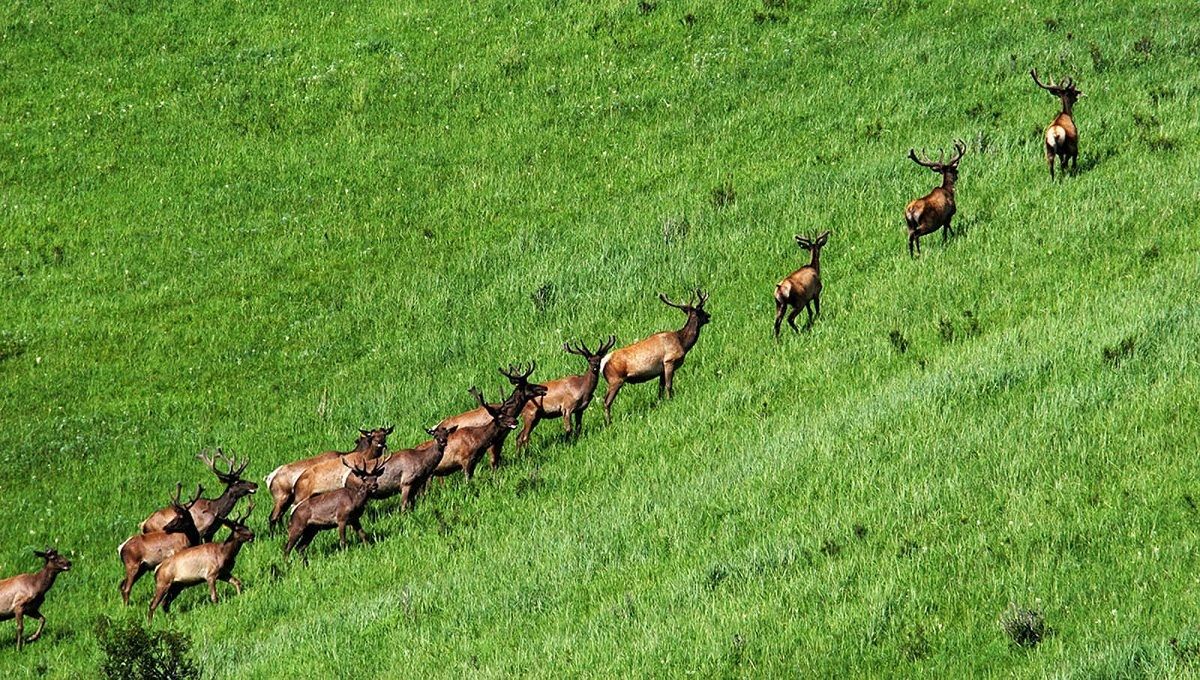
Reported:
(131, 651)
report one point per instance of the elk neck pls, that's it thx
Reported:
(815, 260)
(690, 333)
(45, 578)
(948, 184)
(222, 505)
(1067, 105)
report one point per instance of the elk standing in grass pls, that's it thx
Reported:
(408, 470)
(466, 446)
(567, 397)
(523, 391)
(802, 288)
(934, 210)
(332, 474)
(1062, 137)
(283, 478)
(144, 551)
(657, 356)
(22, 595)
(336, 508)
(207, 513)
(204, 563)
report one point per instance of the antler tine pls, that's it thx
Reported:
(1040, 84)
(702, 296)
(925, 162)
(207, 460)
(667, 301)
(199, 493)
(475, 392)
(961, 148)
(178, 489)
(246, 515)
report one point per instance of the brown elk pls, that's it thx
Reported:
(22, 595)
(1062, 137)
(336, 508)
(144, 551)
(802, 288)
(283, 478)
(409, 470)
(657, 356)
(331, 474)
(934, 210)
(208, 512)
(567, 397)
(204, 563)
(466, 446)
(523, 391)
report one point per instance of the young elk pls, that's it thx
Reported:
(466, 446)
(657, 356)
(22, 595)
(204, 563)
(1062, 137)
(934, 210)
(408, 471)
(283, 478)
(523, 391)
(207, 513)
(802, 288)
(145, 551)
(566, 397)
(332, 474)
(336, 508)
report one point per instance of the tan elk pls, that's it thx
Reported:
(22, 595)
(523, 391)
(934, 210)
(657, 356)
(204, 563)
(1062, 137)
(568, 397)
(466, 446)
(802, 288)
(408, 470)
(283, 478)
(207, 513)
(336, 508)
(329, 475)
(143, 552)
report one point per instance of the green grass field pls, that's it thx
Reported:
(263, 225)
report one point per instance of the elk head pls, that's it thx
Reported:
(368, 478)
(593, 358)
(1066, 91)
(235, 486)
(238, 530)
(694, 308)
(947, 169)
(523, 390)
(182, 522)
(441, 435)
(54, 561)
(500, 415)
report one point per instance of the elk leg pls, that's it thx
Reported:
(566, 417)
(946, 233)
(1050, 160)
(469, 469)
(530, 422)
(669, 379)
(613, 389)
(362, 535)
(911, 240)
(20, 616)
(808, 308)
(494, 455)
(212, 589)
(38, 633)
(817, 304)
(342, 534)
(578, 415)
(780, 307)
(131, 577)
(406, 497)
(792, 319)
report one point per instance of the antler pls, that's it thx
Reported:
(581, 350)
(478, 396)
(702, 297)
(515, 375)
(175, 496)
(246, 515)
(608, 344)
(666, 301)
(961, 147)
(1051, 87)
(912, 153)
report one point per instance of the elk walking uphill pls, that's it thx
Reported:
(283, 478)
(1061, 137)
(802, 288)
(466, 446)
(204, 563)
(144, 551)
(336, 508)
(523, 391)
(567, 397)
(934, 210)
(23, 595)
(407, 471)
(657, 356)
(207, 513)
(332, 474)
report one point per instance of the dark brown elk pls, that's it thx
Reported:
(934, 210)
(207, 513)
(144, 551)
(1062, 137)
(465, 447)
(331, 474)
(523, 391)
(802, 288)
(204, 563)
(408, 470)
(657, 356)
(567, 397)
(336, 508)
(283, 478)
(22, 595)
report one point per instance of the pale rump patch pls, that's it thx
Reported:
(272, 476)
(604, 362)
(121, 548)
(1055, 136)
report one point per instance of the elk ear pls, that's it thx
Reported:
(823, 239)
(803, 242)
(42, 554)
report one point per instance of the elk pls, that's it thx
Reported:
(208, 512)
(466, 446)
(143, 552)
(204, 563)
(331, 474)
(336, 508)
(567, 397)
(283, 478)
(410, 469)
(1062, 137)
(934, 210)
(523, 391)
(802, 288)
(657, 356)
(22, 595)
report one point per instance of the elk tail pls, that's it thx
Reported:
(1055, 136)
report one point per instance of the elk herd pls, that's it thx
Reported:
(332, 489)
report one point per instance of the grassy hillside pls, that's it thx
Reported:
(256, 226)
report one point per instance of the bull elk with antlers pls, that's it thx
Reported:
(1062, 137)
(523, 391)
(567, 397)
(204, 563)
(22, 595)
(934, 210)
(802, 288)
(207, 513)
(283, 478)
(336, 508)
(657, 356)
(408, 470)
(466, 446)
(332, 474)
(144, 551)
